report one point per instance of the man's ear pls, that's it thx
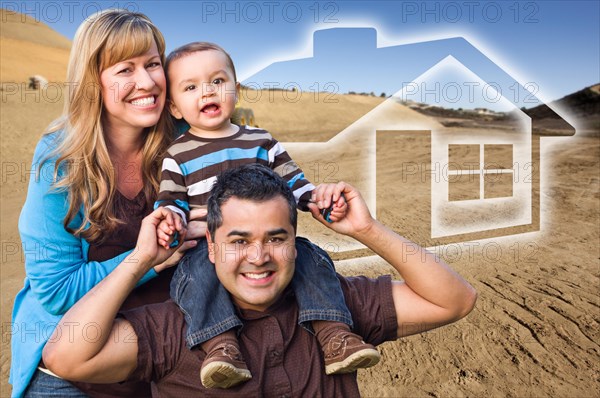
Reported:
(211, 247)
(173, 110)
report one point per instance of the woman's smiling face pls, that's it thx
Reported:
(134, 92)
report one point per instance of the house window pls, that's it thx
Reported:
(480, 171)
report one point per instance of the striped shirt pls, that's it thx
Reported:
(193, 163)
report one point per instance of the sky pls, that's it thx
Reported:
(553, 47)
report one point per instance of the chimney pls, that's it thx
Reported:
(344, 42)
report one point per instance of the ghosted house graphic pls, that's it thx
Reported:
(465, 183)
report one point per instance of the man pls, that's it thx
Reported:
(251, 236)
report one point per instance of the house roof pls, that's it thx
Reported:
(348, 59)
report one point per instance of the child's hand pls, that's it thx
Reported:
(164, 233)
(169, 225)
(330, 202)
(338, 212)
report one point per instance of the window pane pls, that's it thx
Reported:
(463, 186)
(498, 157)
(496, 185)
(463, 157)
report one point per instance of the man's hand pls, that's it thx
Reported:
(357, 218)
(330, 200)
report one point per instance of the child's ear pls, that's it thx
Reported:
(237, 92)
(173, 110)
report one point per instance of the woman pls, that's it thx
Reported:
(98, 169)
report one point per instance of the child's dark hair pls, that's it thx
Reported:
(254, 182)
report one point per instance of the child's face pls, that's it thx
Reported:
(203, 91)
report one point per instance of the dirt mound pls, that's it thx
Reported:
(293, 116)
(24, 28)
(583, 104)
(29, 47)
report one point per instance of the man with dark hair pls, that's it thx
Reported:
(252, 244)
(252, 182)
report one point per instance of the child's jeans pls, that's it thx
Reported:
(208, 308)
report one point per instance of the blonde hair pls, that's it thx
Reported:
(102, 40)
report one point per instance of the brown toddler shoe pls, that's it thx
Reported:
(224, 366)
(346, 352)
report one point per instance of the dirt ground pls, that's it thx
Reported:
(535, 329)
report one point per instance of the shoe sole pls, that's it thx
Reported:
(359, 360)
(223, 375)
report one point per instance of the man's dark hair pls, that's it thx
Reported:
(249, 182)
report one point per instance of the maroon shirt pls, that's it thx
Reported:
(285, 359)
(124, 238)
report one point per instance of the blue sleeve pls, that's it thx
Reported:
(55, 261)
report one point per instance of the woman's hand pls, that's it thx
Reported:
(175, 257)
(147, 250)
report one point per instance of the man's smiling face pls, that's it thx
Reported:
(254, 251)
